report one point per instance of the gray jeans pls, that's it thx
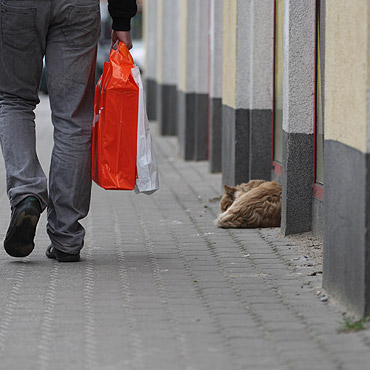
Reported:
(66, 33)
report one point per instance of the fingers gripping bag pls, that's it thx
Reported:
(122, 153)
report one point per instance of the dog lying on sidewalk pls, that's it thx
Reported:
(248, 205)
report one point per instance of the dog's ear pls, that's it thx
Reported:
(230, 190)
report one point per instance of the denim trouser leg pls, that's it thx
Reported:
(71, 88)
(66, 32)
(20, 72)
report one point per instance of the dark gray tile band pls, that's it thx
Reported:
(167, 109)
(317, 217)
(186, 123)
(297, 182)
(366, 311)
(235, 145)
(346, 223)
(151, 99)
(260, 159)
(228, 145)
(201, 127)
(247, 139)
(215, 134)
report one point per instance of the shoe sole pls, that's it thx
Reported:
(21, 243)
(66, 258)
(73, 258)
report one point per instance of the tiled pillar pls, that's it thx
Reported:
(150, 36)
(193, 86)
(261, 86)
(298, 115)
(346, 273)
(236, 91)
(186, 96)
(202, 79)
(167, 65)
(215, 96)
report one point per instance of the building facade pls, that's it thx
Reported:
(275, 89)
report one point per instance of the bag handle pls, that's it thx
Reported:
(121, 55)
(123, 50)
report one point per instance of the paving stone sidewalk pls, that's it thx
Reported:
(160, 287)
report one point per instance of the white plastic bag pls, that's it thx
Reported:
(147, 181)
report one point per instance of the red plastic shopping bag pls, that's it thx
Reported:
(122, 152)
(115, 127)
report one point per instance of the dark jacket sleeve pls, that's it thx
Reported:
(121, 12)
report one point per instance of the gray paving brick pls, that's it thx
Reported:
(160, 287)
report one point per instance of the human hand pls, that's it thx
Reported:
(123, 36)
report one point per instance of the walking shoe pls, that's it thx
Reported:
(21, 232)
(60, 256)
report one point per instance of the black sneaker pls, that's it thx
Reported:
(60, 256)
(21, 232)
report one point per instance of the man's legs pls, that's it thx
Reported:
(67, 32)
(21, 45)
(70, 63)
(22, 30)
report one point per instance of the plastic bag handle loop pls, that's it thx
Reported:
(122, 54)
(122, 48)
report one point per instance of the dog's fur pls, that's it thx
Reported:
(253, 204)
(232, 192)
